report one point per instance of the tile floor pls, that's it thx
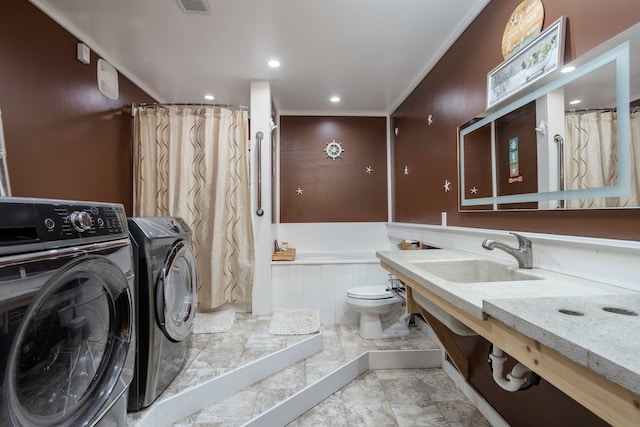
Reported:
(381, 398)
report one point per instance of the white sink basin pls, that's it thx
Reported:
(445, 318)
(474, 271)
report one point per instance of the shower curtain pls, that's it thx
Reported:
(591, 160)
(193, 163)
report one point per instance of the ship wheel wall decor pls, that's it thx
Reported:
(334, 150)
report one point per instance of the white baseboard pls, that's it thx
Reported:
(476, 399)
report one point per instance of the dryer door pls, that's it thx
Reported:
(70, 348)
(177, 292)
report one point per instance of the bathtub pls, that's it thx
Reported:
(320, 280)
(338, 257)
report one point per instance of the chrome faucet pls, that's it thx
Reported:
(523, 254)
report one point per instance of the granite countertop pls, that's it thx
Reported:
(603, 341)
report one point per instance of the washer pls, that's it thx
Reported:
(166, 296)
(67, 343)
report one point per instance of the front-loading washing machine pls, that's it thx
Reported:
(166, 297)
(66, 313)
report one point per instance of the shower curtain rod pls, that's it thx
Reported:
(590, 110)
(635, 109)
(188, 104)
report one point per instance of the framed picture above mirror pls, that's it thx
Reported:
(539, 58)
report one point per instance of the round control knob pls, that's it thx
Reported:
(49, 223)
(81, 220)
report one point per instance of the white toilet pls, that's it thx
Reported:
(376, 306)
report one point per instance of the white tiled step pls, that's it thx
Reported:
(175, 408)
(192, 400)
(296, 405)
(333, 378)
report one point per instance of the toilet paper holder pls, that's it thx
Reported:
(397, 288)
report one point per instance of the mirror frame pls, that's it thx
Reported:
(592, 60)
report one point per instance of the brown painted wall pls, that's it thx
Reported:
(64, 139)
(454, 92)
(337, 190)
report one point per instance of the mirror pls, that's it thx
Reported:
(546, 150)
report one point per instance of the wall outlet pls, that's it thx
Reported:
(444, 219)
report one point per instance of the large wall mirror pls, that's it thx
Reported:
(572, 142)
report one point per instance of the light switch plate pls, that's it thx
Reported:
(84, 53)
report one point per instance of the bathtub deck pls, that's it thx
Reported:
(320, 280)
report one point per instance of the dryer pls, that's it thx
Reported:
(166, 297)
(66, 313)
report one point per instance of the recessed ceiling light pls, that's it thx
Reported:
(209, 97)
(334, 99)
(575, 101)
(274, 63)
(568, 69)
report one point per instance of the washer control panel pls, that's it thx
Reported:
(65, 221)
(28, 224)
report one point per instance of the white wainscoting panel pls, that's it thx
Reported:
(323, 285)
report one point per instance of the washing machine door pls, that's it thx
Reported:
(176, 292)
(71, 345)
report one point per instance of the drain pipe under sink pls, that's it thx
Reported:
(515, 379)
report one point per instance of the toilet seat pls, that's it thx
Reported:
(375, 292)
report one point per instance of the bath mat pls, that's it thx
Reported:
(211, 323)
(294, 322)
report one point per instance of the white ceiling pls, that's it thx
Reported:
(371, 53)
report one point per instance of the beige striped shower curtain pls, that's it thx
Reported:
(591, 147)
(194, 163)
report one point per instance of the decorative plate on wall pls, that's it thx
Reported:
(525, 23)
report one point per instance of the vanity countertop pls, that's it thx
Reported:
(605, 342)
(471, 296)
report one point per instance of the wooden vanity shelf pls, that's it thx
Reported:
(608, 400)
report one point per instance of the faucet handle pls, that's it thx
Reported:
(523, 242)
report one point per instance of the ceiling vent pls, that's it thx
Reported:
(200, 7)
